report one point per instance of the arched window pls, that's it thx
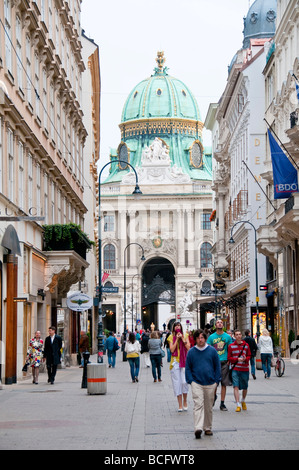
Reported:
(123, 155)
(206, 288)
(206, 255)
(109, 257)
(196, 154)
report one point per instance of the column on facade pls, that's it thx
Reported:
(190, 236)
(132, 235)
(180, 237)
(122, 235)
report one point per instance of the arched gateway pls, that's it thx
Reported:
(158, 293)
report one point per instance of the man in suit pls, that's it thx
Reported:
(52, 353)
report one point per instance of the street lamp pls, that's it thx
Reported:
(137, 274)
(125, 289)
(136, 192)
(256, 273)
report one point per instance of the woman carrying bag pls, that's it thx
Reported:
(34, 355)
(265, 345)
(179, 346)
(132, 348)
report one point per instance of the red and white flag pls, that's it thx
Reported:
(105, 276)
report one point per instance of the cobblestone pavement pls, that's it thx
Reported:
(143, 416)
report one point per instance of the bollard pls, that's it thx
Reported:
(86, 356)
(96, 379)
(258, 360)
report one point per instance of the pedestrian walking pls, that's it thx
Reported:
(253, 349)
(154, 345)
(220, 341)
(52, 353)
(83, 346)
(265, 345)
(111, 348)
(166, 345)
(179, 346)
(203, 373)
(132, 348)
(239, 357)
(34, 355)
(144, 349)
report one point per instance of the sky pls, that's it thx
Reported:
(199, 39)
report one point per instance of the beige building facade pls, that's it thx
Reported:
(42, 138)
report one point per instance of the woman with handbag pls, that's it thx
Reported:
(265, 345)
(154, 345)
(132, 348)
(34, 355)
(179, 346)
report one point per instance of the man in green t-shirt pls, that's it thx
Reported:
(220, 341)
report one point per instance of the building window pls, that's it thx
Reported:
(123, 155)
(196, 155)
(205, 221)
(109, 257)
(206, 288)
(206, 256)
(109, 223)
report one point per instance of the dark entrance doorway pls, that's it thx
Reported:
(158, 291)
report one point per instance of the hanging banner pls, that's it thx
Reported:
(285, 176)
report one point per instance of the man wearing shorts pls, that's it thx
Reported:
(239, 356)
(220, 341)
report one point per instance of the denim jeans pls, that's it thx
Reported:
(111, 357)
(134, 366)
(266, 363)
(252, 364)
(156, 365)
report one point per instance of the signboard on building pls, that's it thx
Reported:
(79, 302)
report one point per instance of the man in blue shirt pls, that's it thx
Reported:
(203, 373)
(220, 341)
(111, 346)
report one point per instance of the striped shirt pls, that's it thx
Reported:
(234, 351)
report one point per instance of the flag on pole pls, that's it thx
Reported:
(284, 174)
(104, 277)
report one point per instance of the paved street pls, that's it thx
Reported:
(143, 416)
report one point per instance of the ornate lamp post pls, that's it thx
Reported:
(256, 273)
(100, 320)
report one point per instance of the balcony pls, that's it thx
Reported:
(65, 248)
(68, 237)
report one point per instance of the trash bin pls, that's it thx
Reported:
(96, 379)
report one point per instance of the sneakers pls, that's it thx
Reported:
(244, 407)
(223, 407)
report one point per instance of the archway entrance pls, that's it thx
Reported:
(158, 293)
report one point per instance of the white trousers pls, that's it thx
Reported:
(203, 398)
(179, 383)
(147, 361)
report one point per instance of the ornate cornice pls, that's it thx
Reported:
(161, 125)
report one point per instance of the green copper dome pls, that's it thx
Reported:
(160, 96)
(162, 107)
